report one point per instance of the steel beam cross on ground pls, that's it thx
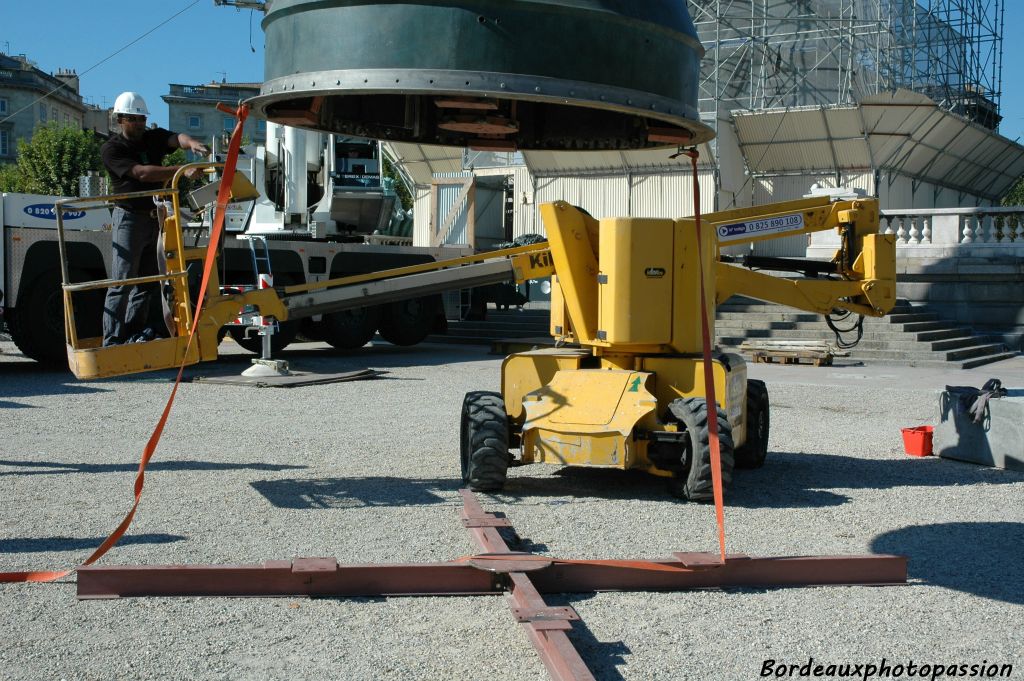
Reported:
(522, 577)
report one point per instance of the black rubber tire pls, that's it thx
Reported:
(754, 451)
(287, 331)
(351, 329)
(483, 441)
(408, 322)
(37, 324)
(694, 482)
(312, 331)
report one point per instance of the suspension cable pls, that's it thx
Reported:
(64, 86)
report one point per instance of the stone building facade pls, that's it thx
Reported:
(193, 109)
(30, 97)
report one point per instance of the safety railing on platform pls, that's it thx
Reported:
(88, 358)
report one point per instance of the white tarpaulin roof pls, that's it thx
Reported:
(422, 162)
(559, 163)
(900, 131)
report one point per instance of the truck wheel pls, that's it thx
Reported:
(483, 441)
(37, 323)
(752, 454)
(254, 343)
(350, 329)
(408, 322)
(694, 482)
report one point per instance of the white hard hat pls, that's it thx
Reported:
(130, 103)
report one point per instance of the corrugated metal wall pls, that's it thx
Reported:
(421, 217)
(637, 195)
(489, 208)
(447, 194)
(792, 187)
(524, 215)
(900, 193)
(489, 227)
(670, 195)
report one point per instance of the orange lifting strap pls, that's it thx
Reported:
(211, 255)
(709, 381)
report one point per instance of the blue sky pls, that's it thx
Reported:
(206, 43)
(202, 44)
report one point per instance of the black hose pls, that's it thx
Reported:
(837, 317)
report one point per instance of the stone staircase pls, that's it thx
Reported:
(908, 335)
(510, 324)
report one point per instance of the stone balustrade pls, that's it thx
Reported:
(989, 231)
(966, 264)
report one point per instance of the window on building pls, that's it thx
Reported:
(54, 116)
(5, 143)
(229, 124)
(42, 113)
(67, 119)
(3, 105)
(261, 125)
(195, 122)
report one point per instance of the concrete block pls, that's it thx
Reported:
(1007, 293)
(997, 441)
(925, 266)
(974, 258)
(982, 313)
(990, 268)
(915, 291)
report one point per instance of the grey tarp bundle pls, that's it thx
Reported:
(974, 401)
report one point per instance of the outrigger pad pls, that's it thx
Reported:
(296, 379)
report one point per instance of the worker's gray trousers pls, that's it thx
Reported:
(126, 308)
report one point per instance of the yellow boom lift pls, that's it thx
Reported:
(627, 292)
(623, 388)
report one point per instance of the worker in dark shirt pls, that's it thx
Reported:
(133, 158)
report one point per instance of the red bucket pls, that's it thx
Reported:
(917, 441)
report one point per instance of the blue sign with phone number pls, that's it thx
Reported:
(754, 228)
(45, 211)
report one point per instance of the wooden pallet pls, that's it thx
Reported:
(818, 359)
(818, 353)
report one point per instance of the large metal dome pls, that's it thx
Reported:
(489, 74)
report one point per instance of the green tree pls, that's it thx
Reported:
(1015, 197)
(179, 157)
(10, 178)
(56, 156)
(403, 192)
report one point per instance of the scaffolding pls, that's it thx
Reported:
(771, 54)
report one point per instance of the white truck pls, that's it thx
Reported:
(336, 219)
(30, 279)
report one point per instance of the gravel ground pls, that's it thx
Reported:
(368, 472)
